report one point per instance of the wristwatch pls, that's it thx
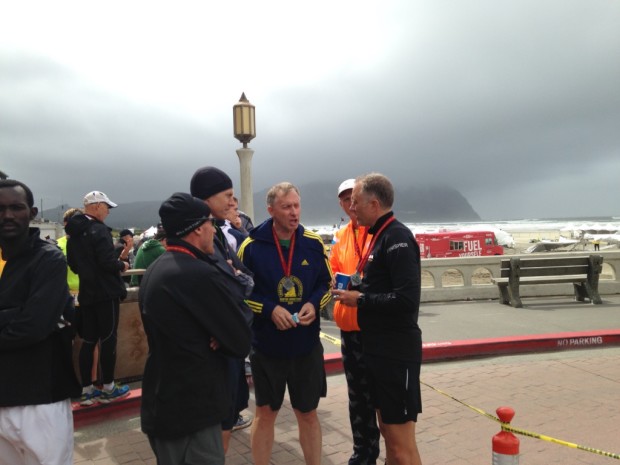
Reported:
(361, 299)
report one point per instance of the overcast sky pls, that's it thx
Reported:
(515, 103)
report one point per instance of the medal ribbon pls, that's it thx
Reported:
(358, 252)
(174, 248)
(362, 263)
(285, 267)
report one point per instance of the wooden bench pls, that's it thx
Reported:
(583, 272)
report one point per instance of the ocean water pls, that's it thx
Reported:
(608, 223)
(569, 227)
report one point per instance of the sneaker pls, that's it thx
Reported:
(90, 398)
(117, 393)
(242, 422)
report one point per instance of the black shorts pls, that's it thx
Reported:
(394, 388)
(304, 376)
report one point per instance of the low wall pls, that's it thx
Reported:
(132, 347)
(443, 272)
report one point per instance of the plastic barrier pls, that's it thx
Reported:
(505, 444)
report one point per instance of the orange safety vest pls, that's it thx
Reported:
(343, 259)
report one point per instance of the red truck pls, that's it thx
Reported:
(447, 244)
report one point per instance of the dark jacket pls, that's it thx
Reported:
(35, 353)
(224, 252)
(185, 300)
(389, 317)
(90, 254)
(246, 222)
(311, 274)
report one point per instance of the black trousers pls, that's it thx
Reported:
(99, 323)
(202, 447)
(362, 413)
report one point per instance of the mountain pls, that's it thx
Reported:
(411, 205)
(319, 207)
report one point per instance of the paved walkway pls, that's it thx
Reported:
(571, 395)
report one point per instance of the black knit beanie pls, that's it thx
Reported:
(208, 181)
(182, 213)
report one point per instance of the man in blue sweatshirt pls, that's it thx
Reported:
(292, 277)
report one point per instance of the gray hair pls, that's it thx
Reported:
(378, 186)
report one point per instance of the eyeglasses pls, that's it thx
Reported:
(202, 220)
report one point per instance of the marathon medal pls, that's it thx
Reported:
(287, 283)
(356, 279)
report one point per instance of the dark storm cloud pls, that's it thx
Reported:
(65, 139)
(497, 101)
(514, 103)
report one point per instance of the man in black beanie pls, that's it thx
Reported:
(193, 317)
(208, 181)
(215, 189)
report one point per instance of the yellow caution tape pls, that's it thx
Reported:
(332, 339)
(508, 427)
(505, 426)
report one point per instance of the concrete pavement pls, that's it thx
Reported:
(572, 395)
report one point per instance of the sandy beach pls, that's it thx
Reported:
(524, 233)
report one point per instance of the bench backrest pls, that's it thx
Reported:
(552, 266)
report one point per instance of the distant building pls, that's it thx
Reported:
(49, 228)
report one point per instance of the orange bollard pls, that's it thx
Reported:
(505, 444)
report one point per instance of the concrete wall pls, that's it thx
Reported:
(439, 268)
(132, 347)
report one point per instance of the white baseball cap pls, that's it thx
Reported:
(345, 186)
(98, 197)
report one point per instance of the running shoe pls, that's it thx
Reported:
(242, 422)
(117, 393)
(90, 398)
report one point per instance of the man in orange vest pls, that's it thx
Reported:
(348, 245)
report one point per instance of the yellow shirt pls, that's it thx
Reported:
(2, 262)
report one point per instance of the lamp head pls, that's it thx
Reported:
(244, 121)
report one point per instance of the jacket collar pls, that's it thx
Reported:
(263, 232)
(186, 245)
(24, 246)
(382, 219)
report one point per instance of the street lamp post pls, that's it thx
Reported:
(244, 122)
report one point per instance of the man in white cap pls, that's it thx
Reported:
(348, 246)
(386, 292)
(90, 254)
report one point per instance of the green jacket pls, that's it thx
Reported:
(147, 253)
